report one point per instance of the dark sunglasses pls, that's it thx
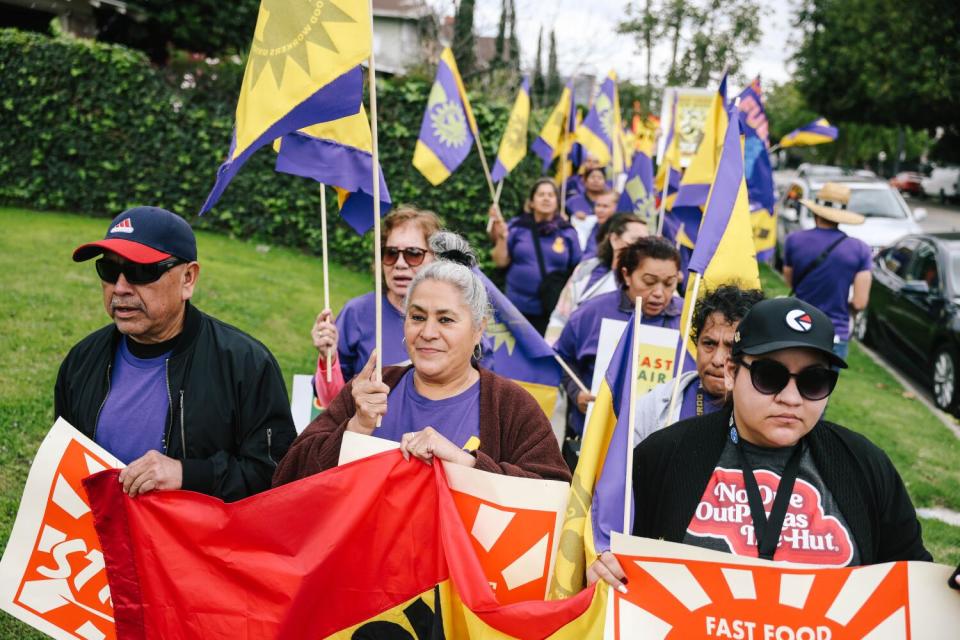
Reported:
(109, 271)
(770, 377)
(413, 256)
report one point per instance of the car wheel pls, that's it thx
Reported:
(945, 380)
(863, 329)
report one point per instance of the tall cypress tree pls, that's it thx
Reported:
(513, 47)
(463, 38)
(500, 52)
(553, 74)
(538, 82)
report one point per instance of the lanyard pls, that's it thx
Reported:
(767, 530)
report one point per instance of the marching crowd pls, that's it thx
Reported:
(190, 402)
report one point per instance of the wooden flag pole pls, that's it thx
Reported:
(631, 424)
(496, 203)
(377, 260)
(694, 292)
(326, 270)
(483, 162)
(576, 380)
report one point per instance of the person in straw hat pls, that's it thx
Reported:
(821, 264)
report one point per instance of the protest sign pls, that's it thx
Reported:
(693, 104)
(52, 573)
(680, 591)
(514, 523)
(657, 350)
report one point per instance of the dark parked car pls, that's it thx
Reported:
(914, 309)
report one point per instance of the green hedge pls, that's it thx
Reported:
(94, 128)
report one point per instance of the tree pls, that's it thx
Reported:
(203, 26)
(500, 52)
(882, 61)
(513, 43)
(553, 83)
(705, 36)
(463, 39)
(539, 86)
(643, 24)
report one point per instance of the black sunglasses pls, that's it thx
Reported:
(413, 256)
(770, 377)
(135, 273)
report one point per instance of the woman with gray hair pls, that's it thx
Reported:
(443, 405)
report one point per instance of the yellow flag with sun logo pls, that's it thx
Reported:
(303, 69)
(448, 127)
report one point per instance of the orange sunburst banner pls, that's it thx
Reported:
(681, 592)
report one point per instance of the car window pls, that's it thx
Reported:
(924, 267)
(876, 203)
(897, 259)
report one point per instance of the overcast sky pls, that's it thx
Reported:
(587, 41)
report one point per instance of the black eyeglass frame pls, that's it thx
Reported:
(830, 377)
(134, 272)
(391, 254)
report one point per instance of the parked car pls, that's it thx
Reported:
(908, 182)
(888, 218)
(942, 183)
(914, 310)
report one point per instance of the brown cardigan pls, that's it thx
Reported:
(515, 437)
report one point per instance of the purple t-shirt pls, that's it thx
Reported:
(590, 251)
(578, 342)
(456, 418)
(356, 325)
(561, 252)
(828, 286)
(134, 415)
(708, 403)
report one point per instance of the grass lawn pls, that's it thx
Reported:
(49, 303)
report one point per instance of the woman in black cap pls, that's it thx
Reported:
(767, 477)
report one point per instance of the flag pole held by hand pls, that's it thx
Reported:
(631, 424)
(326, 270)
(377, 260)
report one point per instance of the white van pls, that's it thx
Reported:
(942, 183)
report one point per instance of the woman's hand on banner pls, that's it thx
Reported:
(150, 472)
(369, 398)
(607, 568)
(429, 444)
(324, 332)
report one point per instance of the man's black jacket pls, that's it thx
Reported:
(229, 420)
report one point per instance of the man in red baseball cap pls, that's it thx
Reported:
(186, 401)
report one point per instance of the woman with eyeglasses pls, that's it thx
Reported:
(539, 250)
(405, 232)
(443, 405)
(768, 477)
(649, 268)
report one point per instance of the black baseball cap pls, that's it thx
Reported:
(144, 235)
(784, 323)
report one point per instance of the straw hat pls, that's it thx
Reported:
(833, 194)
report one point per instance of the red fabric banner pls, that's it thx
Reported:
(303, 560)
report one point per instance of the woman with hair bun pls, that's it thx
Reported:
(443, 405)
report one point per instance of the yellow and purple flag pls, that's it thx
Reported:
(817, 132)
(668, 173)
(513, 144)
(638, 195)
(601, 130)
(303, 69)
(519, 352)
(550, 143)
(338, 153)
(448, 128)
(758, 171)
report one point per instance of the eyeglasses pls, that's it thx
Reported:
(770, 377)
(135, 273)
(413, 256)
